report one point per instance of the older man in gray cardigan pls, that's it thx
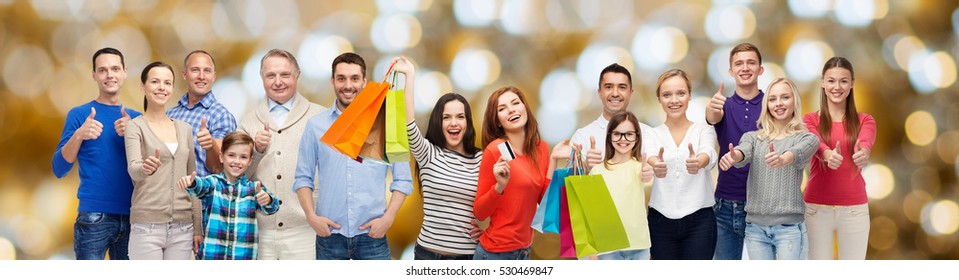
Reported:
(277, 125)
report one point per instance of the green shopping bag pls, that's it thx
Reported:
(397, 142)
(597, 227)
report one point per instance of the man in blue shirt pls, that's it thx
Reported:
(103, 218)
(350, 215)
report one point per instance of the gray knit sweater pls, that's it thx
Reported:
(773, 195)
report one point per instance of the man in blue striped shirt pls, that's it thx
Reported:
(350, 215)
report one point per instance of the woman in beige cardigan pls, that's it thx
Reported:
(159, 151)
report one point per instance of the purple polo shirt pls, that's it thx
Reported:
(740, 116)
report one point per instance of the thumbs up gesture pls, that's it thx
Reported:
(731, 157)
(692, 162)
(716, 103)
(91, 128)
(659, 166)
(834, 157)
(152, 163)
(860, 156)
(262, 197)
(120, 125)
(186, 181)
(262, 139)
(203, 137)
(772, 158)
(647, 175)
(593, 155)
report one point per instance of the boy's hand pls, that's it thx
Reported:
(186, 181)
(378, 227)
(262, 197)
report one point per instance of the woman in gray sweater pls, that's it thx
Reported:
(163, 219)
(777, 153)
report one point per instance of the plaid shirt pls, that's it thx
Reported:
(219, 121)
(231, 232)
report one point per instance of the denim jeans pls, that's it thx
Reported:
(360, 247)
(730, 229)
(626, 255)
(779, 242)
(692, 237)
(95, 234)
(482, 254)
(421, 253)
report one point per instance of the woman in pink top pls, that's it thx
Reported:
(836, 202)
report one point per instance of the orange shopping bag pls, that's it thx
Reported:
(349, 132)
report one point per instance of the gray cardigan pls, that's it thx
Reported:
(773, 195)
(156, 198)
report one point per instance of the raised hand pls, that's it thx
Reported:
(833, 157)
(692, 162)
(120, 125)
(774, 159)
(91, 128)
(321, 225)
(403, 65)
(647, 175)
(152, 163)
(716, 103)
(203, 137)
(262, 197)
(860, 156)
(262, 139)
(593, 155)
(561, 150)
(186, 181)
(730, 158)
(501, 172)
(659, 166)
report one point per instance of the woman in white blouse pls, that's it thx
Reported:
(682, 223)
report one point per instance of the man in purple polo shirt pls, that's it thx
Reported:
(732, 117)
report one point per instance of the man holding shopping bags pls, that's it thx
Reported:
(350, 215)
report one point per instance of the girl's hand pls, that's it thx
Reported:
(833, 157)
(860, 156)
(501, 172)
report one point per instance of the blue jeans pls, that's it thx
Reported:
(95, 234)
(360, 247)
(626, 255)
(421, 253)
(779, 242)
(730, 228)
(482, 254)
(692, 237)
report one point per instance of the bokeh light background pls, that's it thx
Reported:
(904, 52)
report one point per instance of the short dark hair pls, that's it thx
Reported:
(351, 58)
(146, 71)
(615, 68)
(280, 53)
(108, 50)
(236, 138)
(745, 47)
(187, 58)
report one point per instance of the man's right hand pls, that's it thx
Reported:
(714, 111)
(120, 125)
(91, 128)
(321, 225)
(203, 137)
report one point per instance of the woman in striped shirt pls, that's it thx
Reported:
(447, 162)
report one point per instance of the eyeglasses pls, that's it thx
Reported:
(619, 136)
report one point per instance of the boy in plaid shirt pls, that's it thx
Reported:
(231, 227)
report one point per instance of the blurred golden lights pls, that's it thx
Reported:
(920, 128)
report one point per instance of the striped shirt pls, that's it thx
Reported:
(231, 229)
(448, 180)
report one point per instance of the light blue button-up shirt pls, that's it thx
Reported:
(279, 111)
(350, 193)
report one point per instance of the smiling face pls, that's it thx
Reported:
(745, 68)
(279, 78)
(674, 96)
(615, 92)
(199, 74)
(158, 86)
(510, 112)
(837, 83)
(236, 159)
(454, 125)
(109, 73)
(780, 102)
(624, 138)
(348, 81)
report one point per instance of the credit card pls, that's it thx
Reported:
(506, 150)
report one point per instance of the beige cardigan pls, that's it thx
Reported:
(156, 198)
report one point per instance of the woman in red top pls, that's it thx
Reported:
(508, 191)
(836, 202)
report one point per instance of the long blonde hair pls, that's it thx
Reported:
(766, 122)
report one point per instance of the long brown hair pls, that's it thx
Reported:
(493, 130)
(851, 120)
(614, 122)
